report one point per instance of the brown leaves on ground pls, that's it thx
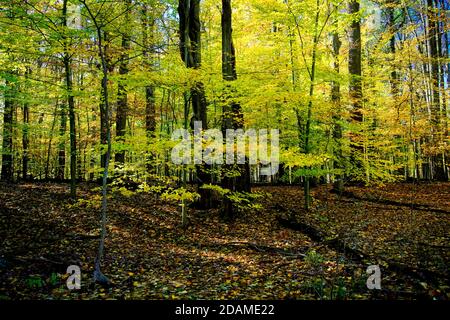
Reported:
(149, 256)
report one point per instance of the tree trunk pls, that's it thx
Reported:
(62, 143)
(337, 114)
(445, 79)
(355, 88)
(122, 94)
(307, 182)
(394, 80)
(25, 131)
(7, 145)
(50, 140)
(433, 32)
(190, 50)
(71, 104)
(392, 44)
(148, 27)
(104, 116)
(232, 117)
(99, 277)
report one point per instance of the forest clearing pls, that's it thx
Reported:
(224, 150)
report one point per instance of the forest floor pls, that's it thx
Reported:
(278, 252)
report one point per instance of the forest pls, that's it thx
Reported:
(224, 150)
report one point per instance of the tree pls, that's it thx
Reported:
(232, 116)
(355, 89)
(25, 130)
(102, 55)
(7, 146)
(71, 103)
(337, 106)
(122, 94)
(191, 54)
(304, 127)
(148, 30)
(433, 34)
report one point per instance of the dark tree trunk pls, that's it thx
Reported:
(197, 93)
(103, 131)
(190, 50)
(355, 89)
(392, 47)
(312, 74)
(393, 51)
(445, 78)
(394, 79)
(199, 104)
(99, 277)
(7, 145)
(62, 144)
(337, 114)
(148, 25)
(232, 117)
(104, 116)
(433, 32)
(71, 104)
(150, 111)
(25, 132)
(81, 158)
(49, 148)
(122, 94)
(228, 51)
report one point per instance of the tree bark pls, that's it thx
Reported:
(71, 104)
(190, 50)
(7, 145)
(355, 88)
(337, 114)
(25, 131)
(99, 277)
(148, 27)
(104, 116)
(122, 94)
(62, 144)
(232, 117)
(433, 33)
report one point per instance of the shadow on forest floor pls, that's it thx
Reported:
(402, 227)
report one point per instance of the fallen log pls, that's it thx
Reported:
(414, 206)
(359, 256)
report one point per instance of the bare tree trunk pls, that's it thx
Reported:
(81, 158)
(104, 117)
(99, 277)
(71, 104)
(312, 79)
(122, 94)
(49, 147)
(438, 171)
(7, 145)
(337, 114)
(62, 144)
(148, 26)
(232, 117)
(394, 80)
(25, 132)
(190, 50)
(445, 79)
(355, 89)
